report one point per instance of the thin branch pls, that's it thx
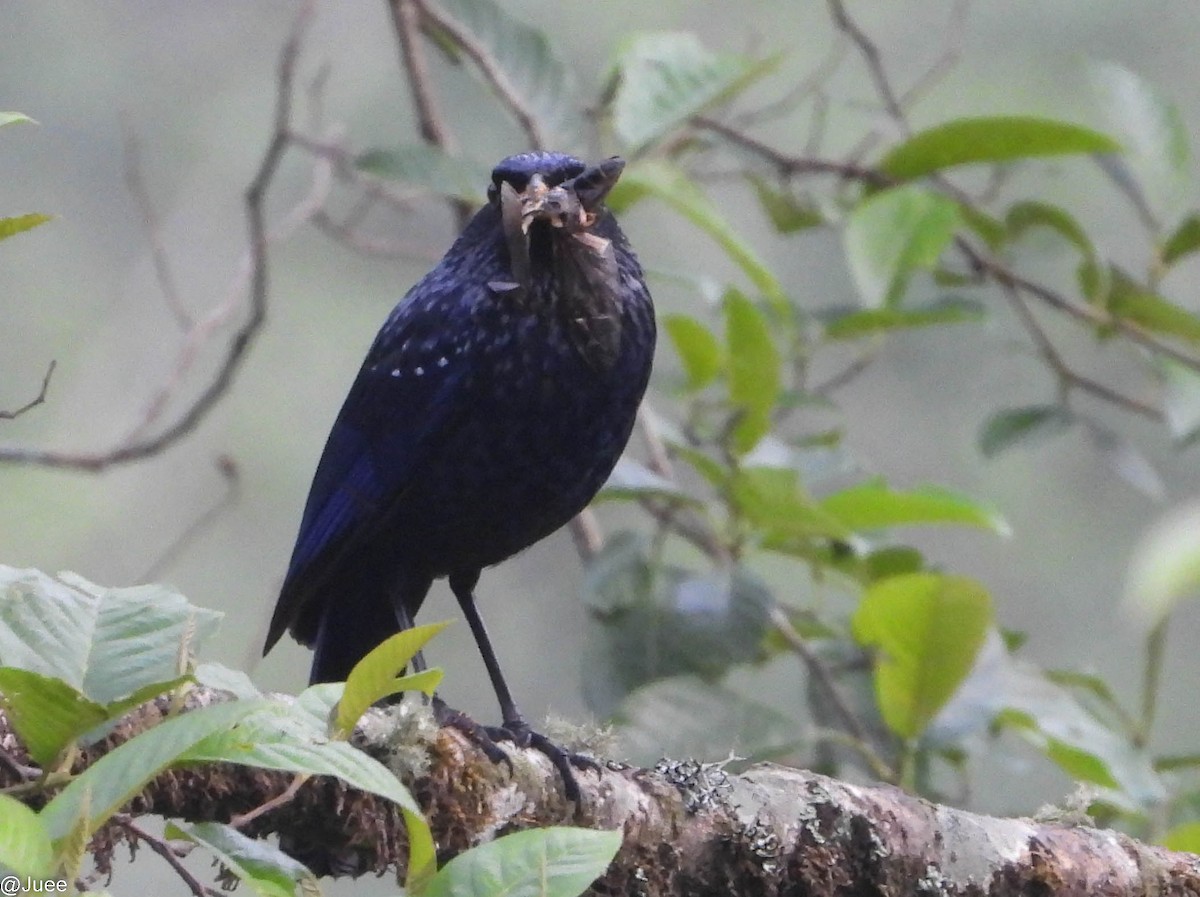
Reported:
(39, 399)
(137, 446)
(492, 71)
(874, 61)
(283, 798)
(1068, 377)
(150, 225)
(406, 19)
(586, 534)
(164, 850)
(820, 674)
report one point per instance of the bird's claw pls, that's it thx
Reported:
(518, 733)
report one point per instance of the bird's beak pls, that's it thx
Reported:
(573, 205)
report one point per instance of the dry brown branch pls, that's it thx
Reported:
(138, 444)
(688, 829)
(492, 71)
(39, 399)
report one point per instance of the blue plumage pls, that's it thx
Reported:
(491, 407)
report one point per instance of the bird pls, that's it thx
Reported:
(492, 406)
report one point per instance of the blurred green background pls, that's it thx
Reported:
(195, 82)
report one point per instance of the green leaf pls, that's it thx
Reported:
(965, 141)
(1014, 426)
(20, 223)
(858, 323)
(894, 233)
(14, 118)
(526, 62)
(872, 505)
(430, 167)
(698, 349)
(926, 629)
(631, 480)
(48, 714)
(773, 500)
(110, 782)
(755, 369)
(664, 78)
(1165, 568)
(266, 870)
(1131, 301)
(375, 676)
(1183, 241)
(24, 842)
(1051, 718)
(108, 644)
(1024, 216)
(1152, 129)
(670, 185)
(786, 213)
(547, 862)
(1184, 837)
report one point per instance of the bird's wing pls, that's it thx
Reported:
(403, 400)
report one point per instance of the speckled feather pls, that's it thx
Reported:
(481, 421)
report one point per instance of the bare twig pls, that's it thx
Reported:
(406, 18)
(254, 270)
(492, 71)
(275, 802)
(1067, 376)
(39, 399)
(586, 534)
(874, 61)
(816, 668)
(167, 852)
(158, 253)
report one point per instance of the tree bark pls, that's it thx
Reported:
(689, 828)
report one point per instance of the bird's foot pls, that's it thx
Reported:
(518, 733)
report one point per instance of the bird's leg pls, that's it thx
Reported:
(514, 728)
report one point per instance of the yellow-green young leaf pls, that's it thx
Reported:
(873, 505)
(1080, 763)
(109, 783)
(24, 842)
(1165, 569)
(544, 862)
(14, 118)
(926, 630)
(374, 677)
(1185, 837)
(669, 184)
(773, 500)
(698, 349)
(755, 376)
(20, 223)
(894, 233)
(422, 853)
(990, 139)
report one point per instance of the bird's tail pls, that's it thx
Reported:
(353, 623)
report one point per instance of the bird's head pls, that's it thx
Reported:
(552, 187)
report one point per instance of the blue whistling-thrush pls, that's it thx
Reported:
(490, 409)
